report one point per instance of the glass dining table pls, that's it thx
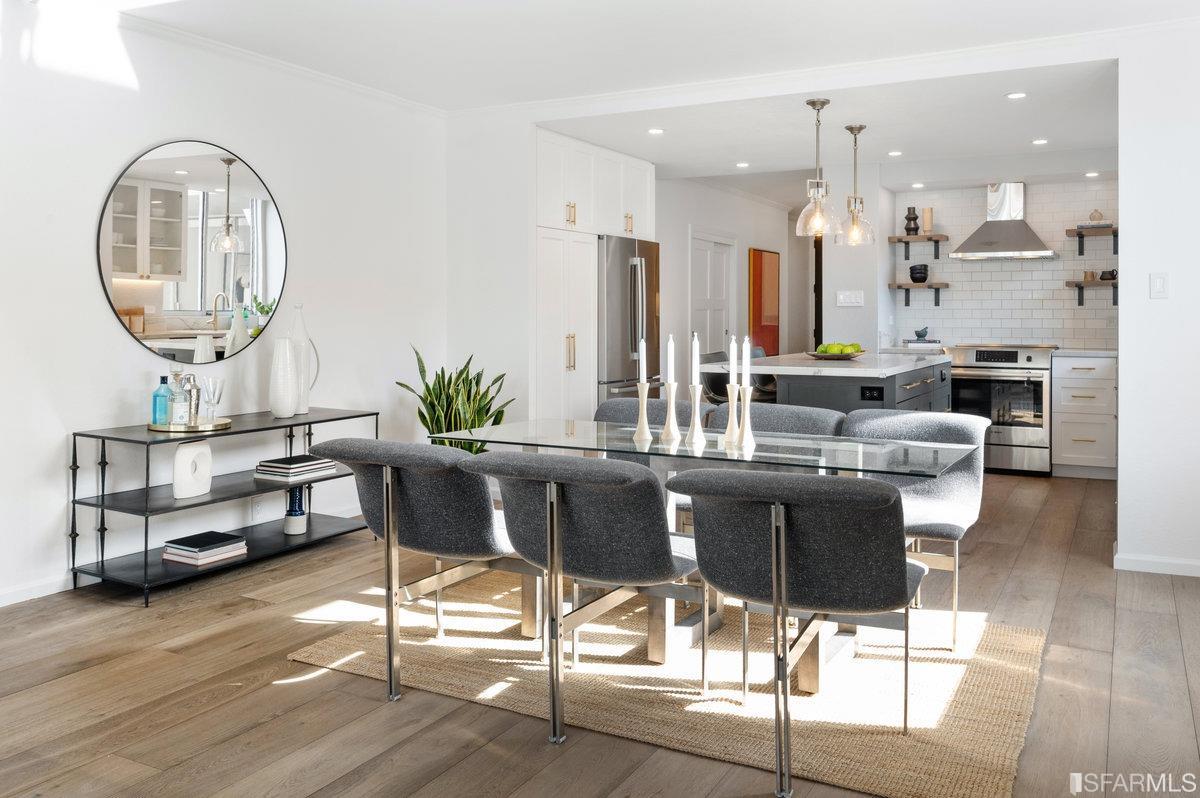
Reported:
(802, 454)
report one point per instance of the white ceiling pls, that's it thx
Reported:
(964, 120)
(467, 53)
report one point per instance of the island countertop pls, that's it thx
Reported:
(870, 365)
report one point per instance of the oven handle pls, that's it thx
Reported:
(1008, 375)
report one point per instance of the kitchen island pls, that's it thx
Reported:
(906, 382)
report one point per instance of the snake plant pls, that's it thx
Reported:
(456, 401)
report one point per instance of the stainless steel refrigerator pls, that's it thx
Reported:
(628, 312)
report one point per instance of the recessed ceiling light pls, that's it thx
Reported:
(181, 171)
(742, 165)
(918, 185)
(655, 131)
(1039, 142)
(156, 202)
(1091, 174)
(1016, 95)
(895, 154)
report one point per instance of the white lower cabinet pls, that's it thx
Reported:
(1084, 412)
(564, 372)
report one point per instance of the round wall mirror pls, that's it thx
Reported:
(192, 252)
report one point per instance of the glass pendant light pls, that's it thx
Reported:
(816, 219)
(856, 230)
(226, 242)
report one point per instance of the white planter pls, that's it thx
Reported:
(283, 390)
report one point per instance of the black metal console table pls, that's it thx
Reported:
(147, 569)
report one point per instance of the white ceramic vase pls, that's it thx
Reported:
(203, 350)
(193, 470)
(283, 390)
(301, 344)
(238, 337)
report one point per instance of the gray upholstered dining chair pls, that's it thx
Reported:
(941, 509)
(836, 544)
(625, 411)
(765, 386)
(714, 383)
(414, 496)
(794, 419)
(590, 520)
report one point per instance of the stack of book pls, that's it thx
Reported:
(204, 548)
(300, 468)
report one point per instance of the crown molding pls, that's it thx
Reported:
(737, 192)
(172, 34)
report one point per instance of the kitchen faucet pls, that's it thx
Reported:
(216, 319)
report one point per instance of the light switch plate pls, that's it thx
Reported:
(1158, 285)
(850, 299)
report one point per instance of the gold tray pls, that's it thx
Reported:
(208, 426)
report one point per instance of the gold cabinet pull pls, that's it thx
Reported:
(911, 385)
(1083, 368)
(1083, 396)
(568, 213)
(927, 380)
(1084, 440)
(567, 352)
(570, 345)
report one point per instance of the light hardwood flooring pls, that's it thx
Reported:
(194, 696)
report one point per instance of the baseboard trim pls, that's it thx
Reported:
(32, 590)
(1150, 563)
(1084, 472)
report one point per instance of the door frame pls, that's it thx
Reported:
(715, 236)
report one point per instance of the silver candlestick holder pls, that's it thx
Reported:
(670, 431)
(642, 433)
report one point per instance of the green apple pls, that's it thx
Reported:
(823, 349)
(852, 348)
(836, 349)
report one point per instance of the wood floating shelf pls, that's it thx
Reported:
(935, 287)
(1079, 285)
(1080, 233)
(936, 238)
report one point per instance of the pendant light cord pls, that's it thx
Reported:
(818, 144)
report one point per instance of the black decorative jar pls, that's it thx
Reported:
(919, 272)
(910, 221)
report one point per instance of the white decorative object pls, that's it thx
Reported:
(642, 433)
(238, 337)
(746, 435)
(670, 431)
(193, 470)
(731, 427)
(281, 394)
(203, 350)
(695, 437)
(301, 344)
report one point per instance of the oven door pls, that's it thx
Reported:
(1017, 401)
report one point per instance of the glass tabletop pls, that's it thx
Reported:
(906, 458)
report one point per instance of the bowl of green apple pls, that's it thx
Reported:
(837, 351)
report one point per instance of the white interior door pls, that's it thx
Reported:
(709, 288)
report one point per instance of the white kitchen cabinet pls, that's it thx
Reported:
(1084, 415)
(143, 233)
(564, 372)
(591, 189)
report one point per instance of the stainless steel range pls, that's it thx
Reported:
(1011, 386)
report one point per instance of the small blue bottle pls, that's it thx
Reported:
(160, 403)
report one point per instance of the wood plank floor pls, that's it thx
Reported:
(194, 696)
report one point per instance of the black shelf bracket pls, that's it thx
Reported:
(906, 254)
(1079, 238)
(937, 295)
(1114, 290)
(1079, 288)
(906, 292)
(1114, 252)
(937, 254)
(1115, 236)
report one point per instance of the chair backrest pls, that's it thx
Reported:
(625, 411)
(714, 384)
(794, 419)
(763, 382)
(844, 537)
(440, 510)
(959, 488)
(613, 521)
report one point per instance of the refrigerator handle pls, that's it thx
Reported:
(633, 311)
(641, 262)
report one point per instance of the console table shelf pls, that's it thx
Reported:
(146, 569)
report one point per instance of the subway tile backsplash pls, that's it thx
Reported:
(1011, 301)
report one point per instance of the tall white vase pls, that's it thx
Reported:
(301, 344)
(283, 390)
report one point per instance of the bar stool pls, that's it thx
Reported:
(592, 520)
(836, 544)
(941, 509)
(415, 497)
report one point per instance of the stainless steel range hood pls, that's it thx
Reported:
(1005, 234)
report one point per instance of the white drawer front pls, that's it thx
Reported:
(1085, 396)
(1097, 368)
(1085, 440)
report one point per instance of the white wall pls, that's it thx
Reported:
(1012, 301)
(683, 206)
(799, 293)
(360, 181)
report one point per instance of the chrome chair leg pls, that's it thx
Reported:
(745, 653)
(906, 615)
(783, 732)
(554, 611)
(704, 639)
(574, 632)
(437, 599)
(917, 550)
(954, 602)
(392, 579)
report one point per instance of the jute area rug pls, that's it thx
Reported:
(968, 710)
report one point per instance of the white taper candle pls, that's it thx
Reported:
(695, 359)
(670, 358)
(642, 360)
(733, 360)
(746, 362)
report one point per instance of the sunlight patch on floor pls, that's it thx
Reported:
(320, 671)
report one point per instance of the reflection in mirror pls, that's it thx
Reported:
(192, 251)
